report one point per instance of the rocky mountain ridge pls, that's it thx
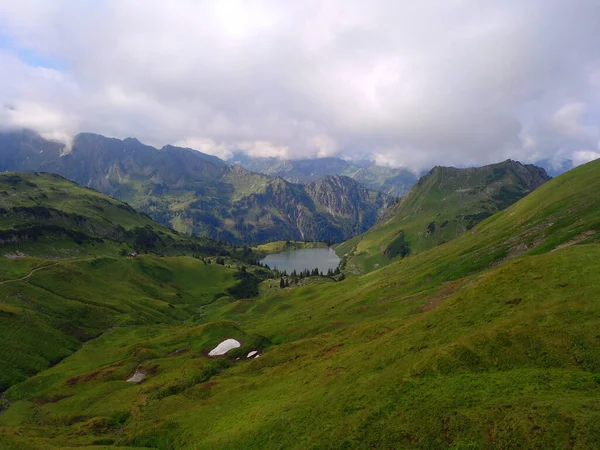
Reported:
(197, 193)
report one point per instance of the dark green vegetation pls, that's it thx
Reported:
(444, 204)
(487, 341)
(196, 193)
(282, 246)
(45, 215)
(391, 181)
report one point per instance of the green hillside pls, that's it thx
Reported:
(487, 341)
(43, 215)
(45, 316)
(443, 205)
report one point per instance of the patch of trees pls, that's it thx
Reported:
(398, 247)
(474, 219)
(144, 239)
(294, 277)
(34, 232)
(247, 287)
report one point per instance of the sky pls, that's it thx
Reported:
(406, 83)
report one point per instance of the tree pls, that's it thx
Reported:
(287, 283)
(281, 283)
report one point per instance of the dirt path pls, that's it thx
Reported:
(29, 274)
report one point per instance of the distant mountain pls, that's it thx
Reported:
(443, 205)
(392, 181)
(201, 194)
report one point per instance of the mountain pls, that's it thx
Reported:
(44, 214)
(197, 193)
(444, 204)
(391, 181)
(487, 341)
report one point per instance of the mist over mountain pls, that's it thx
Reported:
(197, 193)
(389, 180)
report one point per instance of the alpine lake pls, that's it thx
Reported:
(299, 260)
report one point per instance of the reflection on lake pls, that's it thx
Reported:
(299, 260)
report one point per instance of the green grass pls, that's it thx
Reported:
(443, 205)
(506, 360)
(488, 341)
(46, 317)
(45, 215)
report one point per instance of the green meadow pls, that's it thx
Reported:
(490, 340)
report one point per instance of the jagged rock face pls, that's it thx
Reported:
(340, 195)
(197, 193)
(392, 181)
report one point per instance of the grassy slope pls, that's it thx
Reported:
(442, 206)
(45, 317)
(487, 341)
(46, 215)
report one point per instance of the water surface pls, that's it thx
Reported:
(299, 260)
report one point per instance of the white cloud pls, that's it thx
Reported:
(568, 122)
(207, 146)
(263, 149)
(414, 83)
(584, 156)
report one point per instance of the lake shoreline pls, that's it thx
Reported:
(283, 246)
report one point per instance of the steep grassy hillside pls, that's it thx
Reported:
(444, 204)
(43, 214)
(196, 193)
(487, 341)
(49, 308)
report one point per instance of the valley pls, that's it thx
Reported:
(485, 340)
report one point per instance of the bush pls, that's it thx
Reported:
(398, 247)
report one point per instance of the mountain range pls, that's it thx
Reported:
(392, 181)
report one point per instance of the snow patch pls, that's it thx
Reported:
(224, 347)
(137, 377)
(251, 354)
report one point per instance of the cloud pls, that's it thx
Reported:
(412, 83)
(584, 156)
(567, 121)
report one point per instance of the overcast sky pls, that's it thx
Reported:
(411, 83)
